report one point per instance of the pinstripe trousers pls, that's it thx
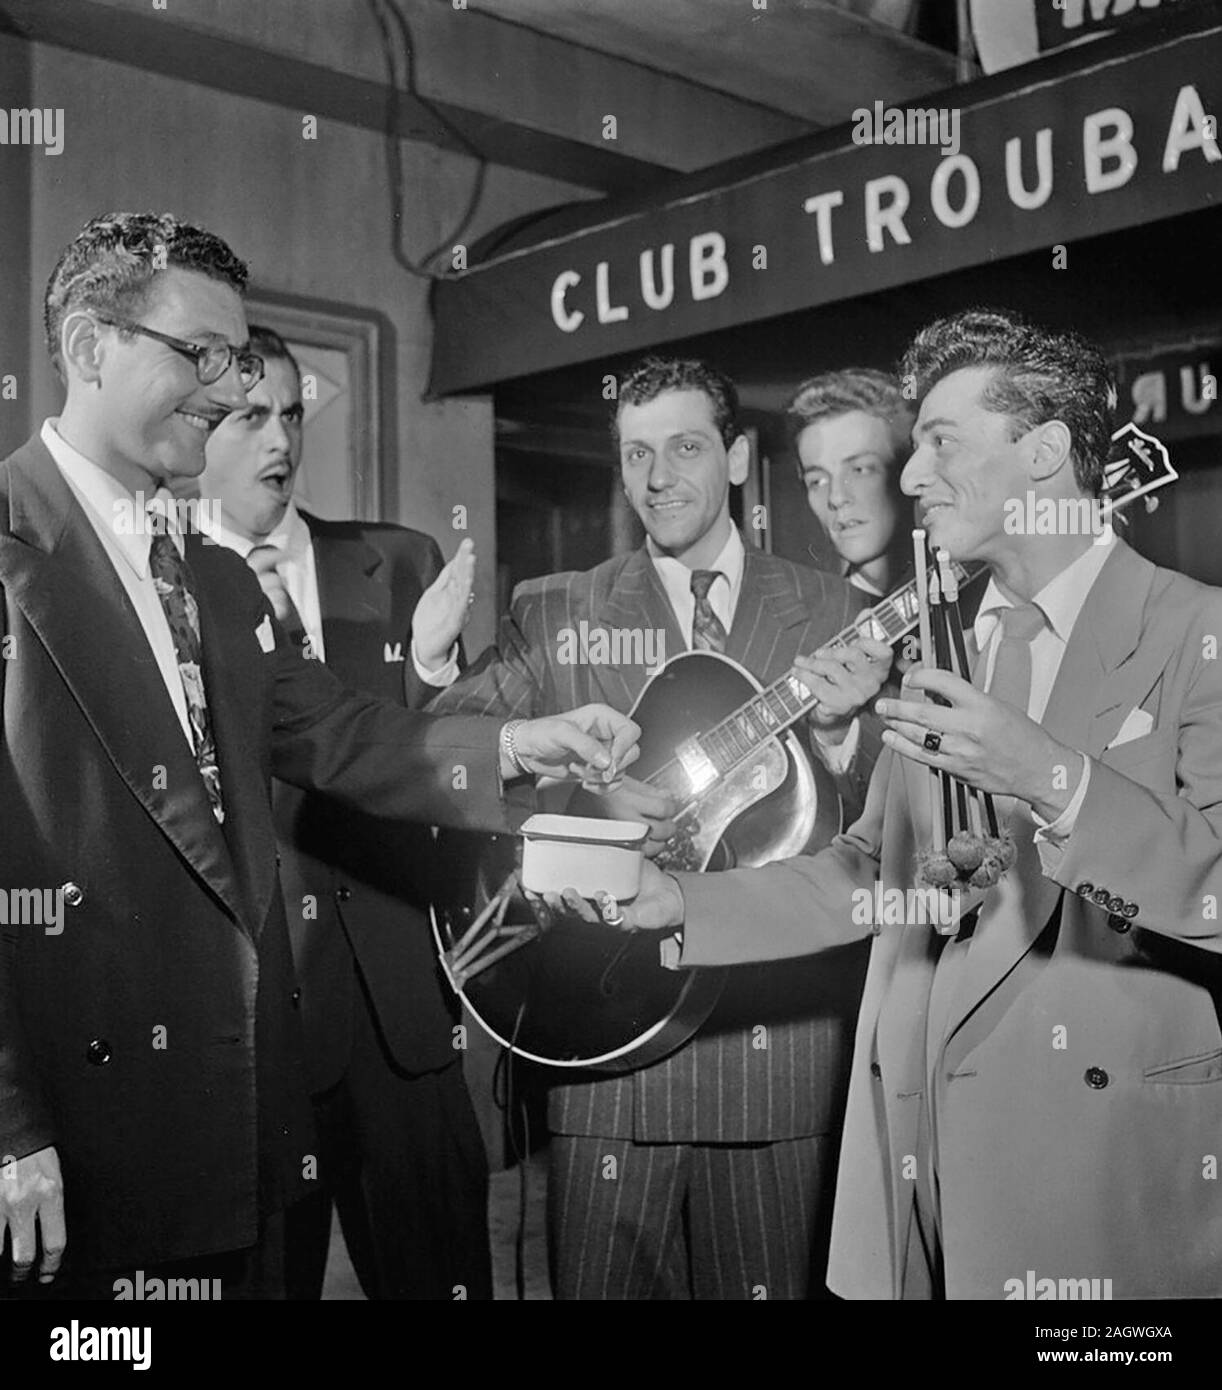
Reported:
(689, 1221)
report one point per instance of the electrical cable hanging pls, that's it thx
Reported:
(387, 13)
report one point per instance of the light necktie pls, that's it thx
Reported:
(175, 585)
(1012, 666)
(708, 632)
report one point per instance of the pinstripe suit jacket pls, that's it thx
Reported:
(723, 1086)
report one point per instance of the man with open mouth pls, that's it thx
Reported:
(402, 1158)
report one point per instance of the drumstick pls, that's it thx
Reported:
(941, 642)
(950, 591)
(953, 658)
(927, 660)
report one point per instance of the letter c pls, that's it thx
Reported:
(567, 320)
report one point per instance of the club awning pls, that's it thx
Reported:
(1106, 136)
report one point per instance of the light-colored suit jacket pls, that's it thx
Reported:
(719, 1088)
(1080, 1117)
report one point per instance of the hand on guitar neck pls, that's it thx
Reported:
(843, 678)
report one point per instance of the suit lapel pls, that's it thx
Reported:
(66, 586)
(768, 604)
(1085, 704)
(355, 608)
(636, 601)
(233, 685)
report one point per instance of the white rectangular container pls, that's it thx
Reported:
(579, 852)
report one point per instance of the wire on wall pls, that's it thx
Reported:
(399, 48)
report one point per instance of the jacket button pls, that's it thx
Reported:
(1101, 897)
(74, 895)
(279, 861)
(1084, 890)
(343, 893)
(1129, 910)
(98, 1052)
(1115, 904)
(1096, 1078)
(1118, 923)
(875, 1069)
(296, 994)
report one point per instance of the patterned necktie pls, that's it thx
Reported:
(1012, 668)
(175, 587)
(708, 633)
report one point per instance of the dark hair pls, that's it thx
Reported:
(110, 264)
(654, 375)
(270, 346)
(1038, 375)
(832, 394)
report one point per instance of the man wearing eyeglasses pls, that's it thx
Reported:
(153, 1114)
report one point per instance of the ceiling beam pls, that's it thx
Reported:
(522, 99)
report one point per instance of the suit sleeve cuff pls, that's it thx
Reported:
(444, 675)
(1050, 836)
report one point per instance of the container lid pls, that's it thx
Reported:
(586, 830)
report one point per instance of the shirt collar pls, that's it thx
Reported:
(1060, 600)
(859, 581)
(730, 561)
(292, 535)
(120, 513)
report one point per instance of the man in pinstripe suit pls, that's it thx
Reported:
(708, 1174)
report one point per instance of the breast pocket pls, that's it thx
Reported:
(1149, 760)
(1202, 1068)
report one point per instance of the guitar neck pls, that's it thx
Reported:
(739, 736)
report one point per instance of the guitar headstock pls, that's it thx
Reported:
(1139, 465)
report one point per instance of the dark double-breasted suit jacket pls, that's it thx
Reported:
(355, 883)
(154, 1041)
(722, 1087)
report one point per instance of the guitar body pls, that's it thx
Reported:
(581, 995)
(767, 808)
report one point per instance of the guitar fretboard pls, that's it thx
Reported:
(740, 735)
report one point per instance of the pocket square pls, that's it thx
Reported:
(267, 638)
(1137, 723)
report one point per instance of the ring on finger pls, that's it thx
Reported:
(933, 741)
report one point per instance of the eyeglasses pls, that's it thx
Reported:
(211, 362)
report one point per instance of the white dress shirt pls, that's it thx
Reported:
(867, 586)
(1060, 601)
(295, 565)
(676, 579)
(104, 500)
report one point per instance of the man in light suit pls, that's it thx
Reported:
(724, 1150)
(1036, 1098)
(402, 1154)
(153, 1114)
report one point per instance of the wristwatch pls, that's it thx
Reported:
(509, 747)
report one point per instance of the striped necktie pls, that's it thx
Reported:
(708, 632)
(175, 585)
